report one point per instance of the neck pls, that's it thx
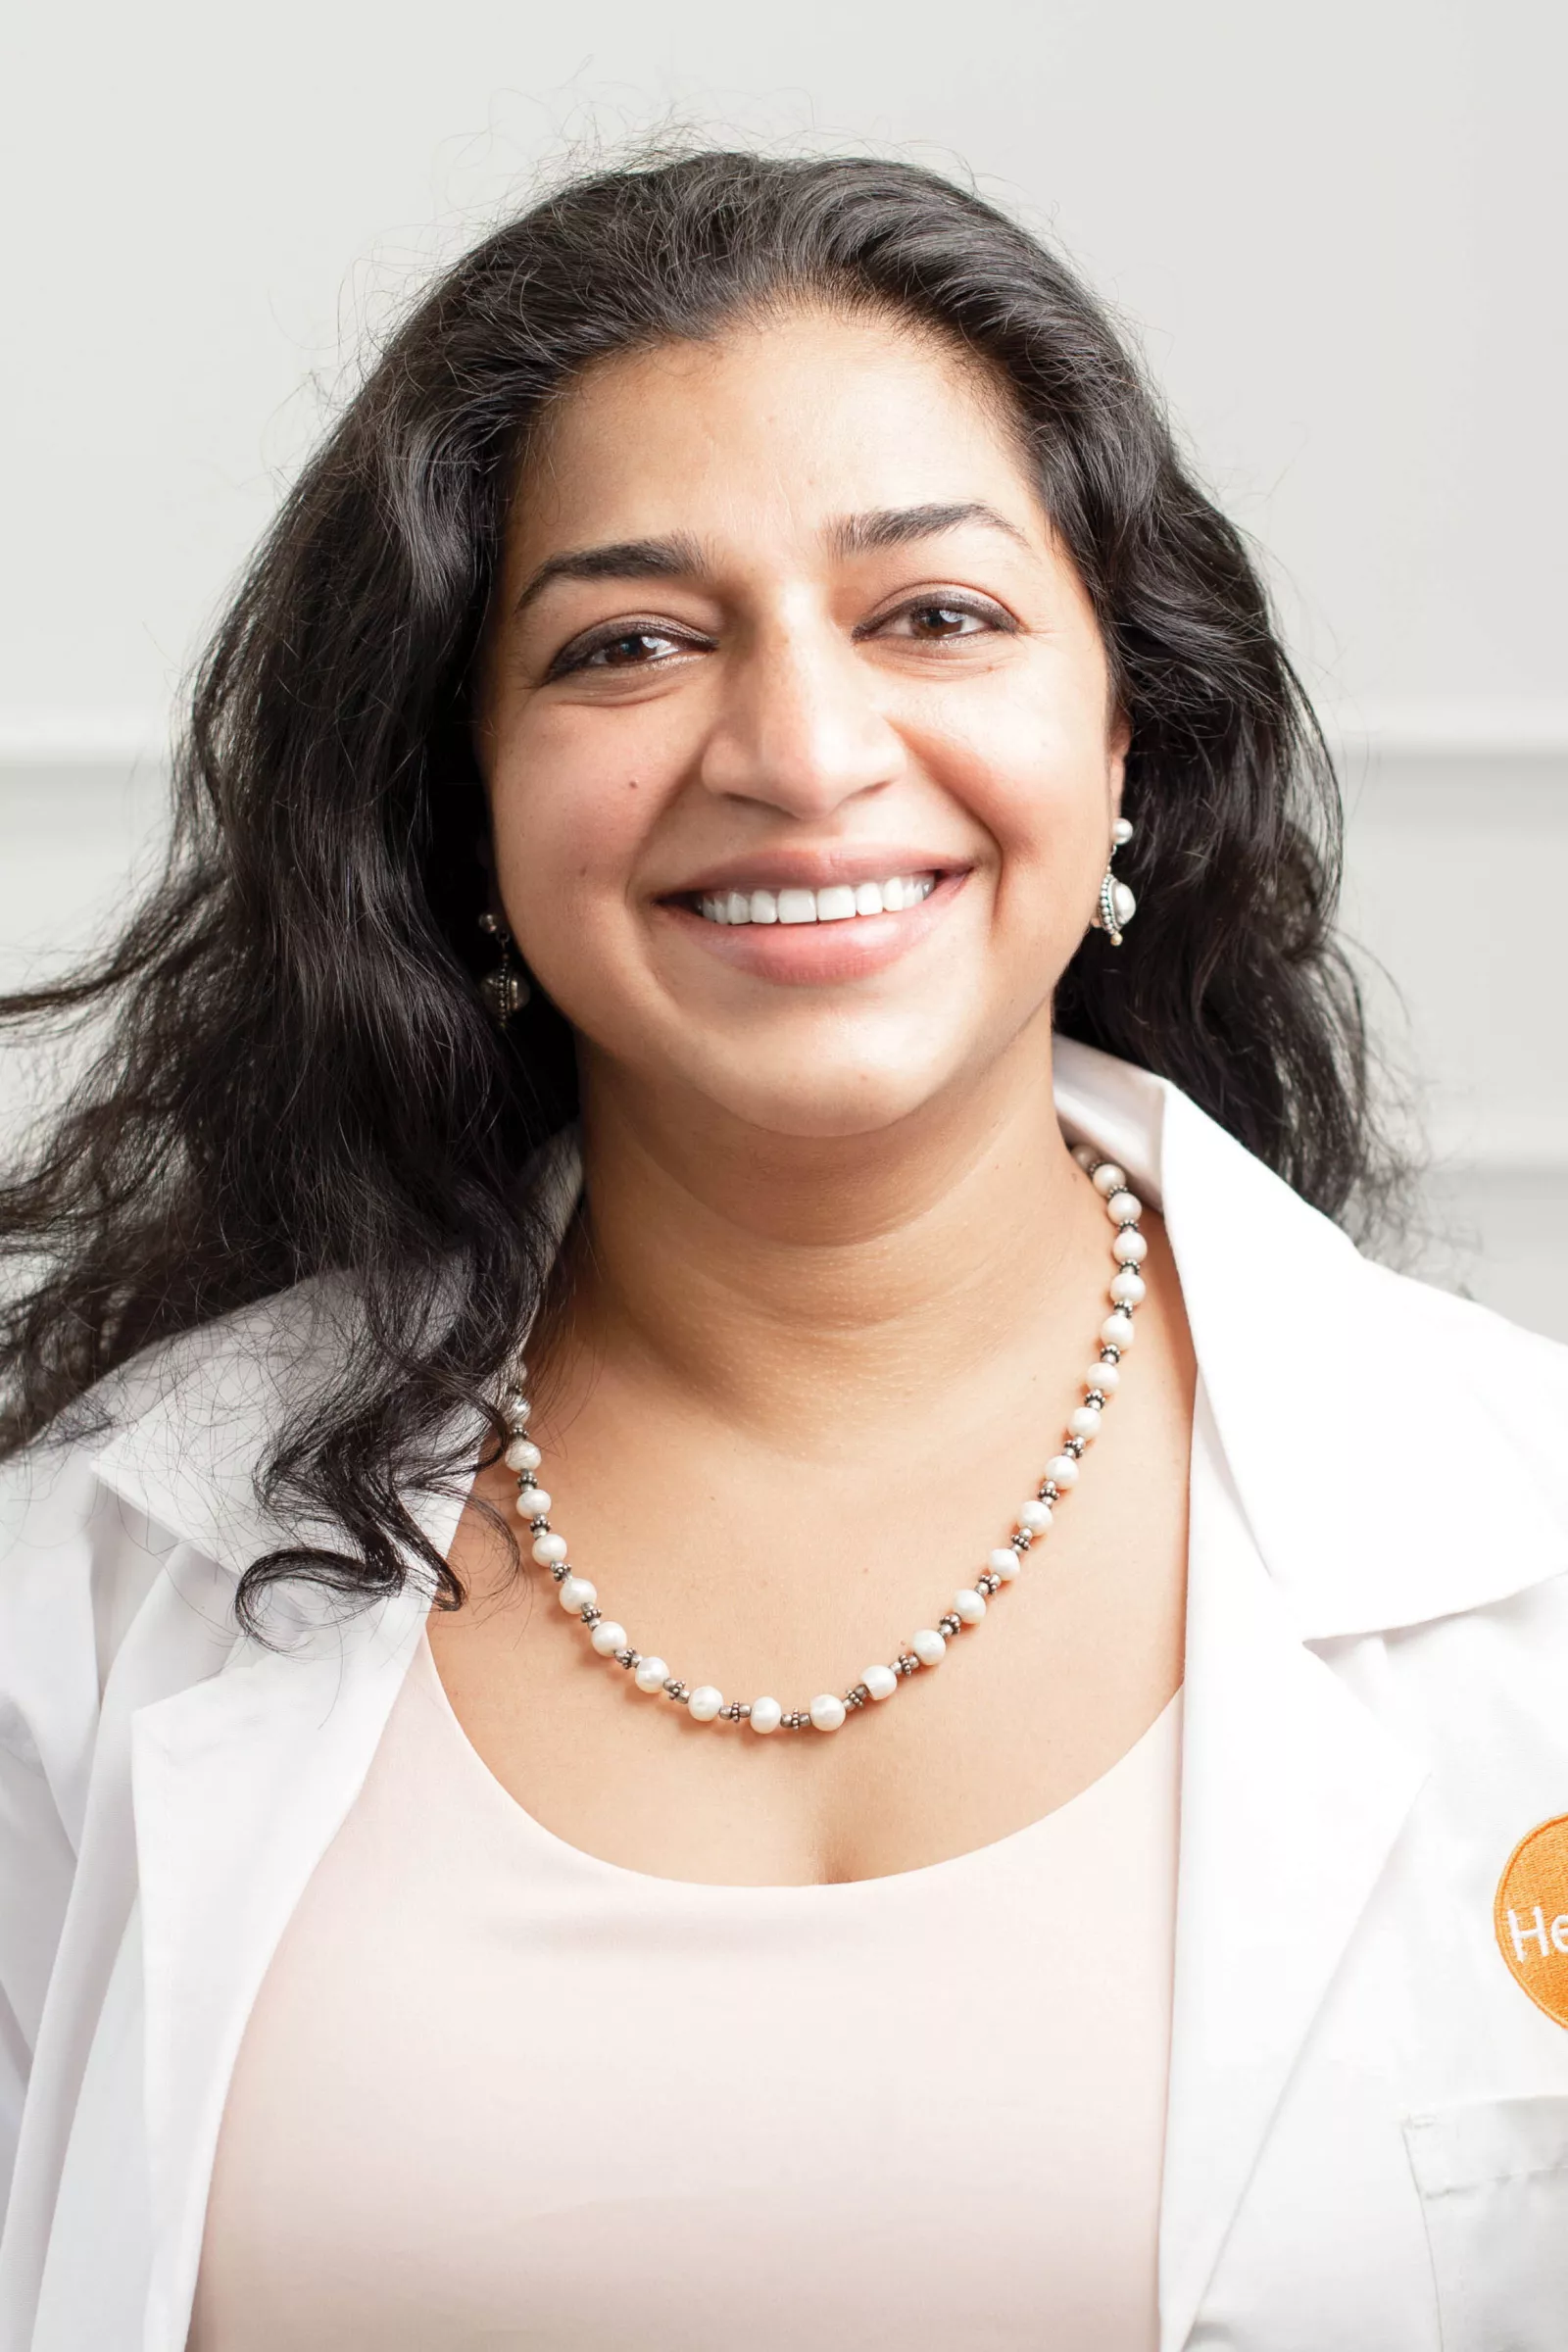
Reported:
(807, 1284)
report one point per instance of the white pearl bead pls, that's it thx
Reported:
(1108, 1179)
(1063, 1472)
(1083, 1154)
(1129, 1246)
(1123, 903)
(519, 1412)
(1129, 1288)
(607, 1636)
(928, 1645)
(1104, 1377)
(650, 1673)
(1124, 1209)
(704, 1703)
(523, 1454)
(767, 1715)
(1004, 1562)
(880, 1681)
(1085, 1423)
(533, 1503)
(1122, 830)
(549, 1549)
(970, 1606)
(576, 1592)
(827, 1712)
(1035, 1515)
(1117, 1330)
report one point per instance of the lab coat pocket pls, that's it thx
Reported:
(1494, 2186)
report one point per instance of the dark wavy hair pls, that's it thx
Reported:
(300, 1078)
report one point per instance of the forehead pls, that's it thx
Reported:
(774, 427)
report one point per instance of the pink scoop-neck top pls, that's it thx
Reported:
(496, 2091)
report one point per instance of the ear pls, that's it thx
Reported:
(1118, 742)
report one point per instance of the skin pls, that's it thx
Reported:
(840, 1278)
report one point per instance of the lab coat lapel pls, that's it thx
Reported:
(239, 1781)
(239, 1785)
(1292, 1797)
(1337, 1427)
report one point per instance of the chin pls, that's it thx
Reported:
(825, 1102)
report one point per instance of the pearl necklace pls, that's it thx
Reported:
(928, 1646)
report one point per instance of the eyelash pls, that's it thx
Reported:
(573, 658)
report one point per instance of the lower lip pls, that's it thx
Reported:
(812, 953)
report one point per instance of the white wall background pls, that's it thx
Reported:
(1337, 230)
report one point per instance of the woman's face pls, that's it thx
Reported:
(782, 632)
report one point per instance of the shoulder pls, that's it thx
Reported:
(165, 1451)
(1504, 1385)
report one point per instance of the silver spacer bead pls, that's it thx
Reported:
(628, 1657)
(560, 1570)
(905, 1662)
(592, 1613)
(676, 1689)
(949, 1624)
(1097, 1397)
(856, 1696)
(1072, 1445)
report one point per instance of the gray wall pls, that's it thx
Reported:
(1337, 230)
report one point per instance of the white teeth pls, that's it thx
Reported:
(836, 903)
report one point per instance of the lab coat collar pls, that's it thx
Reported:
(1395, 1457)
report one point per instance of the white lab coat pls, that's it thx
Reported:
(1368, 2141)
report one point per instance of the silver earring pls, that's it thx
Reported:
(505, 990)
(1117, 905)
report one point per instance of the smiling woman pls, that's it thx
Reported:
(649, 899)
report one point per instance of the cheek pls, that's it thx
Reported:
(569, 815)
(1036, 778)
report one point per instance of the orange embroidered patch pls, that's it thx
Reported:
(1531, 1916)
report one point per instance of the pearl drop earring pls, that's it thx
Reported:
(1117, 905)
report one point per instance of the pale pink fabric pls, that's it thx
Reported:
(498, 2092)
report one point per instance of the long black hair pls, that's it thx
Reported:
(300, 1078)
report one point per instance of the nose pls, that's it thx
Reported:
(797, 727)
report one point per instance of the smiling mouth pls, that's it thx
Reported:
(838, 902)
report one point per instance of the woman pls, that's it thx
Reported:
(749, 829)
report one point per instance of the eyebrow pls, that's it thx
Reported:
(898, 527)
(681, 556)
(625, 560)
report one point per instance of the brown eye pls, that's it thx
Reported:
(945, 620)
(939, 621)
(625, 652)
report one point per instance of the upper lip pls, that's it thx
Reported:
(814, 870)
